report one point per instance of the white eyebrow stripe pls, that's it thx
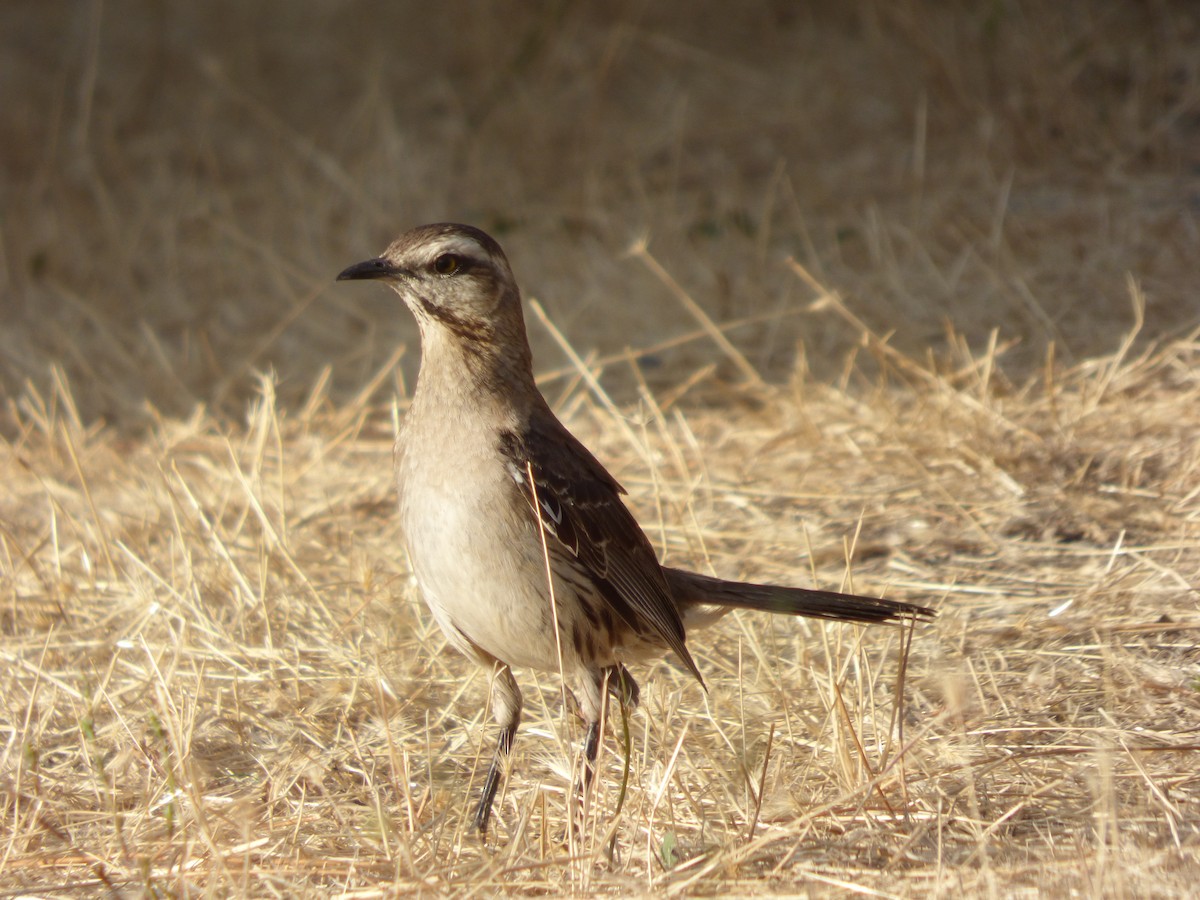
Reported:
(460, 245)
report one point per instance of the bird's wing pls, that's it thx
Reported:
(579, 504)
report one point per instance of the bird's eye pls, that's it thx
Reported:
(447, 264)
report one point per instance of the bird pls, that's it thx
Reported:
(518, 537)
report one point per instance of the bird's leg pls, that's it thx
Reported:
(591, 745)
(622, 686)
(595, 689)
(592, 697)
(492, 784)
(614, 681)
(618, 683)
(506, 709)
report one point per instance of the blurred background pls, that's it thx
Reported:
(181, 182)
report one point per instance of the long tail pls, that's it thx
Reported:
(691, 589)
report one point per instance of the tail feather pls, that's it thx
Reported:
(691, 588)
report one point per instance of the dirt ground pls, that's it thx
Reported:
(901, 298)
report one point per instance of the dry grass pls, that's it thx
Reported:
(215, 676)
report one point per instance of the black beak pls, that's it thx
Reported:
(371, 268)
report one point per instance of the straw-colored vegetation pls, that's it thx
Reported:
(911, 307)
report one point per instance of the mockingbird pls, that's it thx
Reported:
(518, 536)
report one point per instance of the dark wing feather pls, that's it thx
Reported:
(580, 505)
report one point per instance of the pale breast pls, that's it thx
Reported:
(475, 553)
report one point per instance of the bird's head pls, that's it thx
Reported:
(452, 276)
(458, 284)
